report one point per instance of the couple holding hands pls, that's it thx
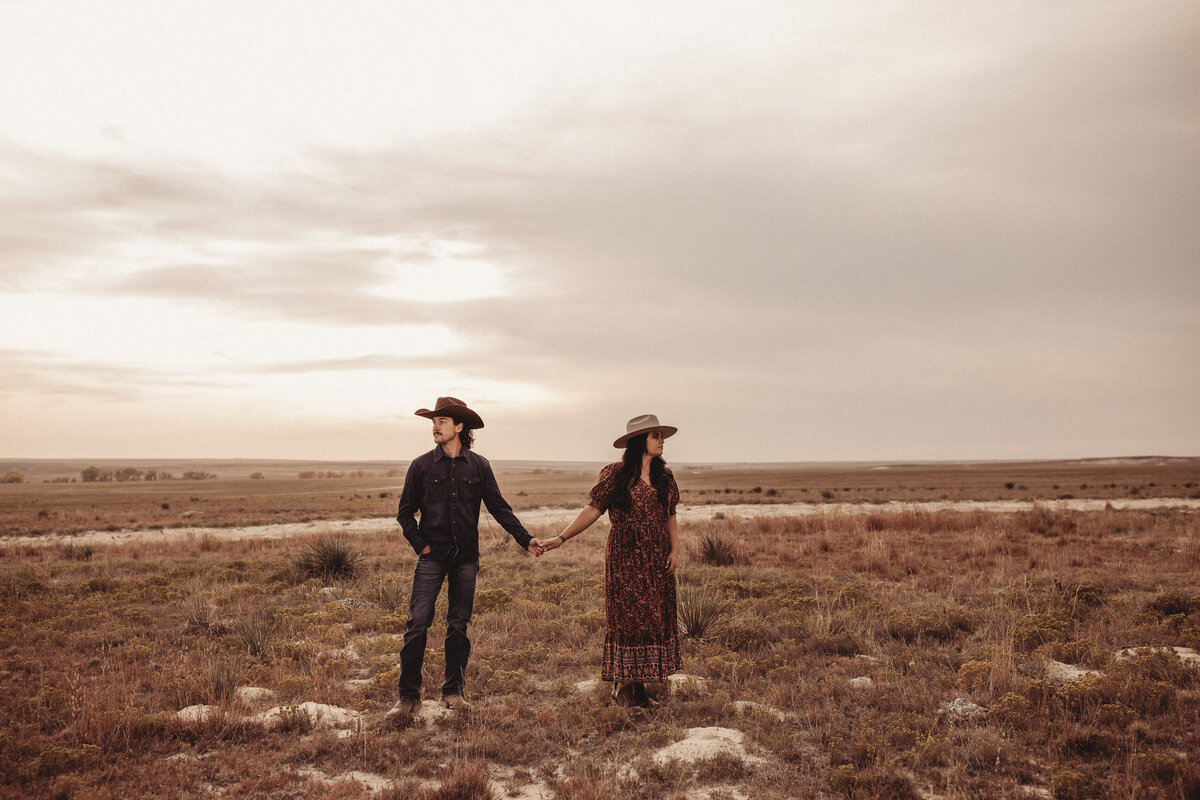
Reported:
(446, 487)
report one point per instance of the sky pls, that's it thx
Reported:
(796, 231)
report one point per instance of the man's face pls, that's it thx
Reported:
(445, 430)
(654, 443)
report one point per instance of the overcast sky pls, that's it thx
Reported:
(797, 231)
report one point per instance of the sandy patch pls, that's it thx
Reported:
(562, 516)
(701, 743)
(1058, 672)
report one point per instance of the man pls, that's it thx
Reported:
(446, 486)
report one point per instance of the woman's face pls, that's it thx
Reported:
(654, 443)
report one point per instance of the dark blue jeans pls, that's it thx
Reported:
(427, 583)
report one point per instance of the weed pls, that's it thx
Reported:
(256, 633)
(329, 557)
(77, 552)
(389, 594)
(702, 612)
(198, 613)
(223, 680)
(714, 548)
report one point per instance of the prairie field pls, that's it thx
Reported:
(861, 653)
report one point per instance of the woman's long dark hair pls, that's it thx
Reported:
(631, 471)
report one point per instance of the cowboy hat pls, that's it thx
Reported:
(455, 409)
(643, 424)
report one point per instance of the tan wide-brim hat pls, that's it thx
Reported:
(455, 409)
(644, 424)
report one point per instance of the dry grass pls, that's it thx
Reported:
(97, 653)
(370, 489)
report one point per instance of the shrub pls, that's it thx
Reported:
(257, 476)
(256, 633)
(12, 476)
(974, 675)
(1012, 710)
(491, 599)
(223, 680)
(328, 558)
(464, 782)
(1071, 784)
(390, 594)
(701, 612)
(77, 552)
(713, 548)
(1034, 630)
(1172, 603)
(918, 622)
(197, 612)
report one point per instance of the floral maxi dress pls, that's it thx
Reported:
(641, 638)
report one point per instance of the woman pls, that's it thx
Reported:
(641, 638)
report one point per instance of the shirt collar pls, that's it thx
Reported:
(439, 453)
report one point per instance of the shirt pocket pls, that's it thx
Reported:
(469, 487)
(436, 488)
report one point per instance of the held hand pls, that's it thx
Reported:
(552, 543)
(536, 547)
(672, 562)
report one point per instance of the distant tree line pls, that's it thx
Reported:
(125, 474)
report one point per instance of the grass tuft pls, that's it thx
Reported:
(256, 633)
(712, 547)
(329, 558)
(702, 612)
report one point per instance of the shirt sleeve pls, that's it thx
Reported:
(410, 503)
(602, 492)
(499, 508)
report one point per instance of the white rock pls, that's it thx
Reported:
(194, 714)
(749, 707)
(360, 684)
(862, 682)
(588, 687)
(431, 711)
(320, 715)
(680, 682)
(960, 708)
(1186, 654)
(1058, 672)
(1037, 791)
(253, 695)
(702, 743)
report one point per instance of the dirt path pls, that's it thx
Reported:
(561, 516)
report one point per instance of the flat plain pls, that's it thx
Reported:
(871, 651)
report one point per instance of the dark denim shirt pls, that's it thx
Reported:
(447, 493)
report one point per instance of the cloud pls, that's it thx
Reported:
(925, 207)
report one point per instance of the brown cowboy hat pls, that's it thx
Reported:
(643, 424)
(455, 409)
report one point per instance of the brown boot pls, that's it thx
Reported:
(622, 694)
(401, 714)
